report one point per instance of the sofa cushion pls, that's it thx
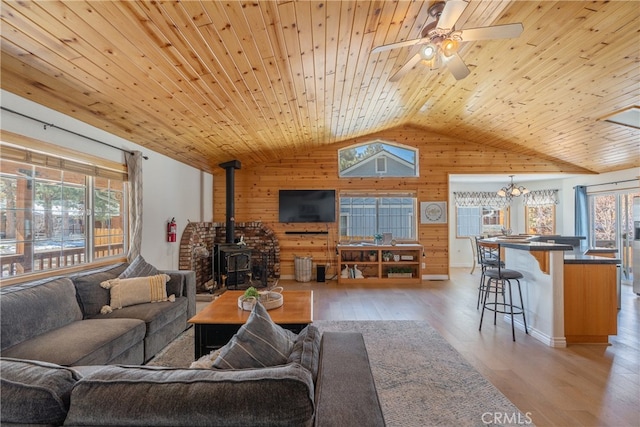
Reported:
(85, 342)
(306, 349)
(258, 343)
(127, 395)
(155, 315)
(34, 308)
(137, 290)
(346, 392)
(90, 295)
(176, 284)
(139, 268)
(34, 392)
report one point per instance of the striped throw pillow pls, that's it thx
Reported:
(139, 268)
(258, 343)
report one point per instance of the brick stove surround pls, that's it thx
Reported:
(198, 241)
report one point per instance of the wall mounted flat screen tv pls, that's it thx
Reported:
(307, 206)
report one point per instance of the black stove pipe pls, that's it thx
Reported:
(230, 168)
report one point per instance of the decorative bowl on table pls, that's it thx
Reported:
(270, 299)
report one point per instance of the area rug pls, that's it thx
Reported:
(420, 378)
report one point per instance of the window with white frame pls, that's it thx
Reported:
(480, 220)
(56, 212)
(378, 159)
(365, 214)
(540, 219)
(480, 213)
(540, 211)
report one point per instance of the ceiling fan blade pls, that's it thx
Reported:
(451, 13)
(405, 68)
(399, 44)
(456, 65)
(507, 31)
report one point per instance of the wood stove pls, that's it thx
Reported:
(232, 265)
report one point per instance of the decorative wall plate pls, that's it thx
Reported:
(433, 212)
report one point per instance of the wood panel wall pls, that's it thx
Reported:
(256, 190)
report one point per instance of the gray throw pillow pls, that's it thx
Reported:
(306, 350)
(139, 268)
(258, 343)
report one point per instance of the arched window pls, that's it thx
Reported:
(378, 159)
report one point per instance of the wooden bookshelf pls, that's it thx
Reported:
(405, 264)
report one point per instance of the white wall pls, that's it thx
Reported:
(170, 188)
(460, 254)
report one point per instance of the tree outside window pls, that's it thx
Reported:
(540, 219)
(52, 218)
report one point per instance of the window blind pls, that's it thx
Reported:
(374, 193)
(24, 155)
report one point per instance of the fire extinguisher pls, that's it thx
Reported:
(171, 230)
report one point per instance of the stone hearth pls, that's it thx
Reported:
(197, 246)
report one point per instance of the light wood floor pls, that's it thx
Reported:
(590, 385)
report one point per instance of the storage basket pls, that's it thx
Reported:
(302, 268)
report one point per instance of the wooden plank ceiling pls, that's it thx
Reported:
(205, 82)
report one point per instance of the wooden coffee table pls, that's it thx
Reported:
(220, 320)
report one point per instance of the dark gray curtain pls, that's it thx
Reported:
(581, 212)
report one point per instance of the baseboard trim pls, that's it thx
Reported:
(557, 342)
(435, 277)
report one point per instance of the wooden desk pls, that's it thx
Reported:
(216, 324)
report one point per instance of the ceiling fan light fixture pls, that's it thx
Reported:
(428, 51)
(449, 47)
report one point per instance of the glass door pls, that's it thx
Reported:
(626, 235)
(611, 226)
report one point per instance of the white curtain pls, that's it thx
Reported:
(541, 198)
(492, 200)
(486, 199)
(134, 170)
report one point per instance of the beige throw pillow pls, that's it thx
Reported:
(138, 290)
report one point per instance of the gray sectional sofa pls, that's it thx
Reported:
(330, 386)
(58, 320)
(70, 365)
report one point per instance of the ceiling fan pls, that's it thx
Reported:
(440, 41)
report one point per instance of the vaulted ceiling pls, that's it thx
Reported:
(205, 82)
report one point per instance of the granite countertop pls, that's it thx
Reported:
(523, 243)
(571, 256)
(577, 257)
(602, 250)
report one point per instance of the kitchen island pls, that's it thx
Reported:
(569, 297)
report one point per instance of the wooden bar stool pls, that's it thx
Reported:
(497, 279)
